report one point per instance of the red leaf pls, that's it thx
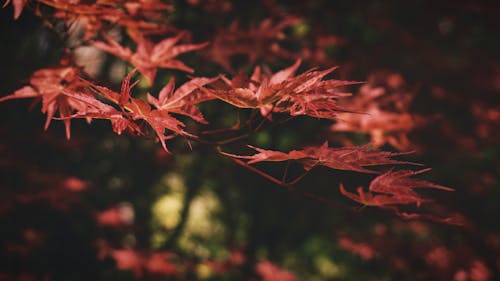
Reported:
(400, 183)
(137, 109)
(49, 84)
(126, 88)
(387, 118)
(270, 155)
(18, 7)
(137, 16)
(350, 158)
(182, 100)
(346, 158)
(393, 188)
(150, 56)
(284, 74)
(371, 199)
(99, 110)
(24, 92)
(305, 94)
(187, 94)
(254, 42)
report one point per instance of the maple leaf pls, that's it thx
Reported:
(379, 200)
(49, 85)
(158, 120)
(345, 158)
(387, 118)
(264, 155)
(305, 94)
(254, 92)
(99, 110)
(150, 56)
(393, 188)
(256, 41)
(399, 182)
(351, 158)
(136, 109)
(126, 88)
(183, 100)
(137, 16)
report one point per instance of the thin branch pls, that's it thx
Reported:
(259, 172)
(239, 137)
(296, 180)
(283, 179)
(288, 186)
(233, 128)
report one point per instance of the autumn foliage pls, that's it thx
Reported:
(214, 91)
(64, 91)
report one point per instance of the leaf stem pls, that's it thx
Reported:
(289, 186)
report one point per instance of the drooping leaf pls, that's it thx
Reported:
(99, 110)
(350, 158)
(370, 199)
(400, 183)
(393, 188)
(49, 85)
(264, 155)
(345, 158)
(133, 109)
